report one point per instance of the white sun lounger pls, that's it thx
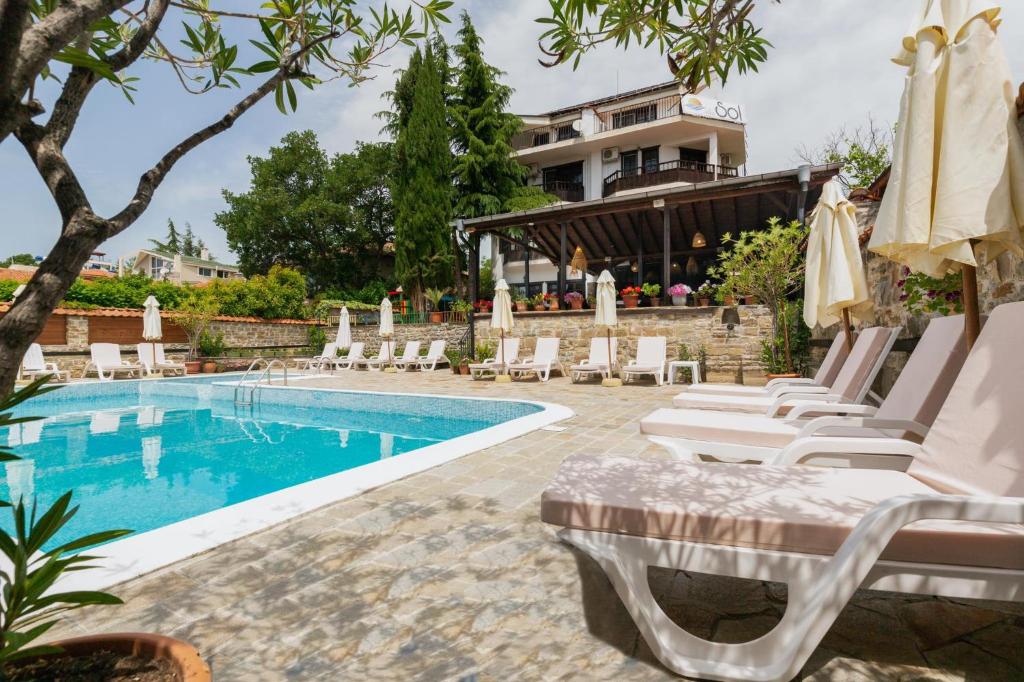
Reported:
(435, 356)
(385, 356)
(952, 525)
(826, 375)
(152, 359)
(34, 365)
(329, 352)
(500, 362)
(650, 359)
(907, 412)
(105, 360)
(597, 363)
(851, 385)
(543, 360)
(355, 354)
(410, 355)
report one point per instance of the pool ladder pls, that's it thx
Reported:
(253, 393)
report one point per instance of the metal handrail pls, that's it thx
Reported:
(241, 385)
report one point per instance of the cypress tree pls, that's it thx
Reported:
(423, 199)
(485, 170)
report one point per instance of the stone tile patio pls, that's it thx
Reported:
(450, 574)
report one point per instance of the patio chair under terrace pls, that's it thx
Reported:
(543, 360)
(650, 359)
(34, 365)
(597, 362)
(851, 385)
(816, 433)
(951, 525)
(105, 360)
(152, 358)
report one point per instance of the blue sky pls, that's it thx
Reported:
(830, 67)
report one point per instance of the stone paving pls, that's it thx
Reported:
(450, 575)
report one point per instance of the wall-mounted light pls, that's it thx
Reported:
(730, 317)
(675, 266)
(699, 242)
(633, 266)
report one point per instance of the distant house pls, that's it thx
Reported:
(164, 265)
(23, 273)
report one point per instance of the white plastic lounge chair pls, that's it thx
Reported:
(34, 365)
(826, 375)
(108, 421)
(435, 356)
(329, 352)
(105, 360)
(952, 525)
(410, 355)
(650, 359)
(544, 358)
(851, 385)
(597, 363)
(385, 355)
(500, 362)
(907, 412)
(355, 354)
(159, 363)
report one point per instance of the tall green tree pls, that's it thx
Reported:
(486, 172)
(18, 259)
(172, 242)
(422, 187)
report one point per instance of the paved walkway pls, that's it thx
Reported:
(450, 575)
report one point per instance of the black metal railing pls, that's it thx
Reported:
(565, 189)
(635, 114)
(536, 137)
(647, 175)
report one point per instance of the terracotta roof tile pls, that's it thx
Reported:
(137, 312)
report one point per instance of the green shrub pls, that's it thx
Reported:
(7, 287)
(316, 337)
(485, 349)
(211, 346)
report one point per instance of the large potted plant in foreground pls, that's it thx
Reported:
(194, 316)
(435, 296)
(32, 605)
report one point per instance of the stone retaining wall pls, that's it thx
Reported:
(425, 333)
(726, 350)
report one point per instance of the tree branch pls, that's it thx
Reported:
(14, 19)
(136, 47)
(55, 170)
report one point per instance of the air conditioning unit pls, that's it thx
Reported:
(725, 159)
(610, 154)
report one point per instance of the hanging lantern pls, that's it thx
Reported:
(699, 242)
(578, 264)
(691, 266)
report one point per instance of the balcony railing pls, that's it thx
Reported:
(665, 172)
(535, 137)
(635, 114)
(565, 190)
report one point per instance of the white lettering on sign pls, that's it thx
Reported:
(705, 107)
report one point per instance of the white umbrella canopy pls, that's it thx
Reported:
(501, 314)
(344, 337)
(606, 316)
(151, 329)
(387, 323)
(835, 286)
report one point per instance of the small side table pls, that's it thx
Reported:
(692, 365)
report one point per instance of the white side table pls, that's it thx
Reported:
(692, 365)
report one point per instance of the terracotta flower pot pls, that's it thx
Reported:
(183, 657)
(750, 300)
(729, 300)
(522, 306)
(192, 366)
(464, 370)
(630, 301)
(553, 304)
(576, 304)
(704, 302)
(209, 367)
(655, 301)
(436, 317)
(539, 307)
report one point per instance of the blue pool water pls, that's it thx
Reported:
(141, 455)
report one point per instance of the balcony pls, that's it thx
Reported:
(536, 137)
(664, 173)
(565, 189)
(635, 114)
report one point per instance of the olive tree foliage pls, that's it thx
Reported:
(863, 152)
(87, 42)
(703, 40)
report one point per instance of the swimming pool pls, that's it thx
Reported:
(181, 455)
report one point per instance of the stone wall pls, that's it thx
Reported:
(425, 333)
(726, 350)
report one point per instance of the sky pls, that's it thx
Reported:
(829, 68)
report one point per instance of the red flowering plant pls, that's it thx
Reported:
(630, 291)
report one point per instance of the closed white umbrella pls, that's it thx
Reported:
(152, 451)
(387, 326)
(387, 445)
(835, 286)
(344, 337)
(606, 317)
(151, 329)
(957, 177)
(501, 316)
(17, 292)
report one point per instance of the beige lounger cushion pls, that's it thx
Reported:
(719, 427)
(794, 509)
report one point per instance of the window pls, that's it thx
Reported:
(205, 272)
(155, 265)
(641, 114)
(650, 159)
(690, 157)
(629, 163)
(223, 274)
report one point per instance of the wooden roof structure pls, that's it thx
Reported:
(626, 225)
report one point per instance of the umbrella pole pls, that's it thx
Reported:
(846, 328)
(972, 319)
(608, 334)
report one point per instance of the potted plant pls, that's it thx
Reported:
(538, 302)
(552, 300)
(750, 299)
(194, 316)
(31, 606)
(575, 300)
(679, 292)
(460, 309)
(454, 359)
(630, 296)
(210, 347)
(652, 292)
(464, 366)
(435, 296)
(705, 292)
(522, 304)
(484, 306)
